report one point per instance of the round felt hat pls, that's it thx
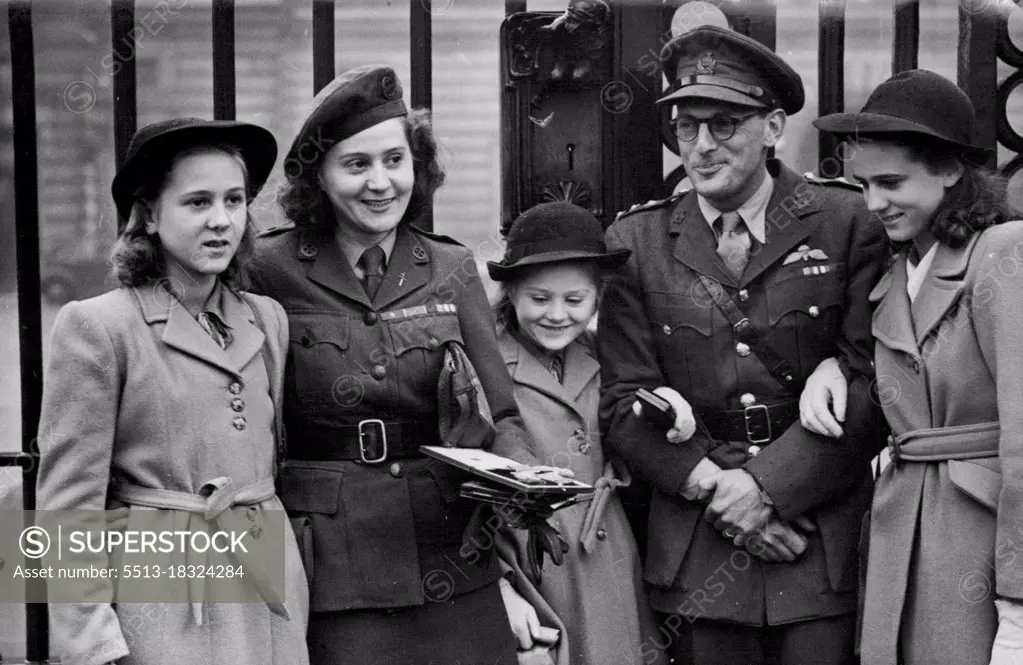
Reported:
(915, 101)
(722, 65)
(154, 146)
(355, 100)
(551, 233)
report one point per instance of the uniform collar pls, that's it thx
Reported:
(353, 249)
(753, 211)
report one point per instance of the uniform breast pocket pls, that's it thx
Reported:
(418, 344)
(682, 324)
(806, 311)
(317, 367)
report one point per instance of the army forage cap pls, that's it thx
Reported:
(722, 65)
(154, 146)
(354, 101)
(915, 101)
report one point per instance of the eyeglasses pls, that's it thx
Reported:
(722, 127)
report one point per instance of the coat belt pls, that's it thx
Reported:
(224, 496)
(939, 444)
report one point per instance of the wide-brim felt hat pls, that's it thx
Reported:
(154, 146)
(718, 64)
(914, 101)
(354, 101)
(553, 233)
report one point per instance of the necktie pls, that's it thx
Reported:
(215, 328)
(372, 264)
(557, 366)
(734, 243)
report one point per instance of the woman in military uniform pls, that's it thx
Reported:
(375, 304)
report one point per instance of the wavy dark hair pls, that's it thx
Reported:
(305, 203)
(137, 257)
(977, 201)
(504, 309)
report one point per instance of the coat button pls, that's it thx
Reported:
(667, 330)
(370, 318)
(252, 513)
(235, 387)
(601, 534)
(753, 451)
(305, 341)
(308, 250)
(256, 531)
(396, 470)
(814, 311)
(748, 399)
(378, 372)
(237, 404)
(742, 348)
(742, 327)
(239, 422)
(433, 343)
(743, 295)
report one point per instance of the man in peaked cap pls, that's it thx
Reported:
(734, 292)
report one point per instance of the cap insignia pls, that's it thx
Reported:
(389, 87)
(706, 63)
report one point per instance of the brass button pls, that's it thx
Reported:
(370, 318)
(419, 253)
(237, 404)
(239, 422)
(305, 341)
(579, 433)
(396, 470)
(252, 513)
(308, 250)
(667, 330)
(742, 327)
(601, 534)
(256, 531)
(584, 447)
(753, 451)
(743, 295)
(748, 399)
(235, 387)
(433, 343)
(742, 348)
(814, 311)
(378, 372)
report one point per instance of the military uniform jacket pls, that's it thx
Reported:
(659, 327)
(388, 534)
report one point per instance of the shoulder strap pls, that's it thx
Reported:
(271, 369)
(779, 368)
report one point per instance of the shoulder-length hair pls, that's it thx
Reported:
(504, 308)
(978, 200)
(137, 257)
(305, 203)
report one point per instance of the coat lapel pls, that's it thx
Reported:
(407, 270)
(696, 246)
(942, 288)
(580, 368)
(330, 269)
(892, 324)
(526, 370)
(182, 332)
(788, 221)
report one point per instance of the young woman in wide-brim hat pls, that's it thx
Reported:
(376, 307)
(160, 400)
(942, 583)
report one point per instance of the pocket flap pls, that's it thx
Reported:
(979, 482)
(804, 294)
(431, 331)
(310, 490)
(309, 329)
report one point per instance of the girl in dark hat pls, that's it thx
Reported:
(161, 399)
(552, 278)
(383, 315)
(942, 582)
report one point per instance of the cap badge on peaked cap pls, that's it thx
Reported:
(707, 63)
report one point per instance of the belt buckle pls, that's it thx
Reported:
(362, 436)
(762, 409)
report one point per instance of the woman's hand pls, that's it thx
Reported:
(825, 388)
(525, 624)
(685, 422)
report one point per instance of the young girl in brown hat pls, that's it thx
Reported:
(160, 401)
(943, 584)
(552, 277)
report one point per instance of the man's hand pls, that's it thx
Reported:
(685, 422)
(705, 468)
(778, 542)
(738, 508)
(825, 388)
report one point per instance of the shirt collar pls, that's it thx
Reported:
(753, 211)
(353, 249)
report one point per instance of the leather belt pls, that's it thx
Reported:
(758, 424)
(371, 441)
